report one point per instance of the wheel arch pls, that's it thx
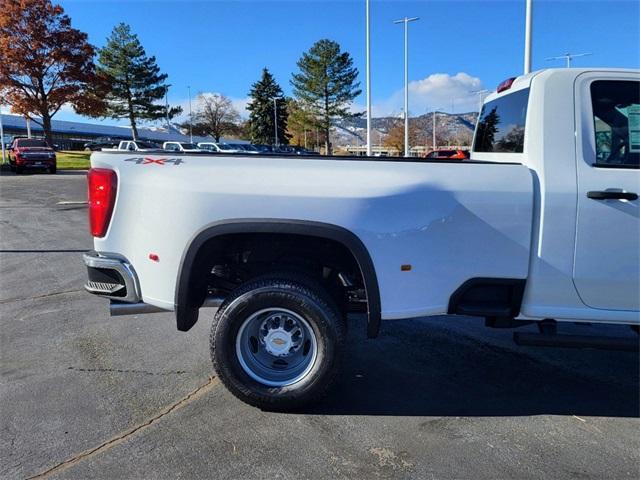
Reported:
(187, 310)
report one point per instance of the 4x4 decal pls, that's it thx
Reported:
(154, 161)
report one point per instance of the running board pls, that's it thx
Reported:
(577, 341)
(117, 308)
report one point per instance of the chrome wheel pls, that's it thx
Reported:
(276, 347)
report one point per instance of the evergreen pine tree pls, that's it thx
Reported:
(134, 80)
(261, 111)
(326, 83)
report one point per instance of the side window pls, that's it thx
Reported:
(501, 125)
(616, 120)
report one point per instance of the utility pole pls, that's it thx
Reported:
(527, 36)
(406, 21)
(28, 121)
(190, 117)
(568, 57)
(368, 77)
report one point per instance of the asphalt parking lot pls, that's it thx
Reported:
(88, 396)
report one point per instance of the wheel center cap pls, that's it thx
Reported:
(278, 342)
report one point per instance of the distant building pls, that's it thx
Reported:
(73, 135)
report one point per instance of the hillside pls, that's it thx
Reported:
(454, 128)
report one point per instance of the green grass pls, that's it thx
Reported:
(73, 160)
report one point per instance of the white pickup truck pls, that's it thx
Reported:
(133, 146)
(540, 225)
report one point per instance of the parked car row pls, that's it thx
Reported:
(209, 147)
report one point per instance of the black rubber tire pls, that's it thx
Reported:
(19, 170)
(53, 170)
(296, 293)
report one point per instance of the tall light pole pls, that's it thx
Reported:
(481, 94)
(275, 117)
(433, 139)
(166, 109)
(368, 75)
(568, 57)
(527, 36)
(406, 21)
(2, 136)
(190, 117)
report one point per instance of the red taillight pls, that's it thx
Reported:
(102, 196)
(506, 85)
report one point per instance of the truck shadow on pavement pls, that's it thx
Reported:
(433, 368)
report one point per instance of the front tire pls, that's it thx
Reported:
(276, 342)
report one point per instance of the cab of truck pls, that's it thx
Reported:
(578, 130)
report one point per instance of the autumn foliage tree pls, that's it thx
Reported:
(45, 63)
(302, 124)
(395, 136)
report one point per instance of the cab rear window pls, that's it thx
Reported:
(502, 123)
(616, 119)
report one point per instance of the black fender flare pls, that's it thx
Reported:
(187, 315)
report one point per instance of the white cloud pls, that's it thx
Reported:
(438, 91)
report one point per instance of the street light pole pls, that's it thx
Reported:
(481, 94)
(406, 21)
(2, 136)
(368, 78)
(568, 57)
(190, 117)
(433, 141)
(527, 36)
(166, 109)
(275, 118)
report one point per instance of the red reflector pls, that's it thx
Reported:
(102, 196)
(154, 257)
(506, 85)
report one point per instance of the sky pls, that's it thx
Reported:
(455, 47)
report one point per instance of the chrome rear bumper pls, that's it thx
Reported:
(111, 276)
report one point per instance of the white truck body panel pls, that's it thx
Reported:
(451, 222)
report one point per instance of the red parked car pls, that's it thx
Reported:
(448, 155)
(31, 153)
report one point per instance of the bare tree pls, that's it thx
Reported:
(215, 115)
